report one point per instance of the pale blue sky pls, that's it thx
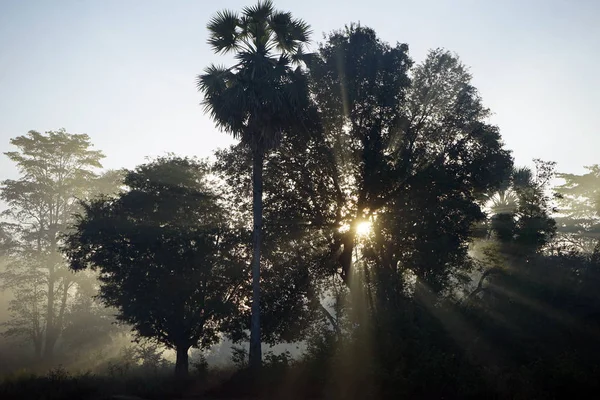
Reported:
(124, 71)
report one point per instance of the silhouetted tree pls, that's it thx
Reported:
(167, 258)
(256, 100)
(406, 149)
(56, 169)
(414, 158)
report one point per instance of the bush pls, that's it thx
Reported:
(58, 384)
(200, 365)
(239, 357)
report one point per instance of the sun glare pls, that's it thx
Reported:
(363, 228)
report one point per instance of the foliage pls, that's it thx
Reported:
(200, 365)
(239, 357)
(403, 152)
(528, 226)
(521, 228)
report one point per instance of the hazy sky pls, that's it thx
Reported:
(124, 71)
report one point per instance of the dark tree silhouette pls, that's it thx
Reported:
(413, 158)
(256, 100)
(168, 261)
(405, 148)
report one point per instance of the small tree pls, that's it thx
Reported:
(167, 260)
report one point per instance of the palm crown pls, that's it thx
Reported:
(258, 97)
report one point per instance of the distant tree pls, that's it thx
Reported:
(578, 221)
(168, 261)
(256, 100)
(56, 169)
(522, 231)
(529, 225)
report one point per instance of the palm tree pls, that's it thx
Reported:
(256, 100)
(505, 200)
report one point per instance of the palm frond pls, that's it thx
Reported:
(284, 61)
(301, 31)
(522, 177)
(224, 99)
(297, 89)
(259, 12)
(224, 31)
(255, 34)
(214, 80)
(289, 33)
(280, 24)
(504, 202)
(300, 57)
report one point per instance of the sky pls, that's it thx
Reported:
(124, 71)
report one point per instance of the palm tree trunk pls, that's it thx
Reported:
(255, 354)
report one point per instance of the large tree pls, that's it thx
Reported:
(56, 169)
(405, 149)
(408, 150)
(256, 100)
(168, 259)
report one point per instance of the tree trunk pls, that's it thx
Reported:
(182, 361)
(58, 323)
(49, 339)
(37, 348)
(255, 354)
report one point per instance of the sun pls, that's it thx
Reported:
(364, 228)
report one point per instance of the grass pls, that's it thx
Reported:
(59, 384)
(274, 382)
